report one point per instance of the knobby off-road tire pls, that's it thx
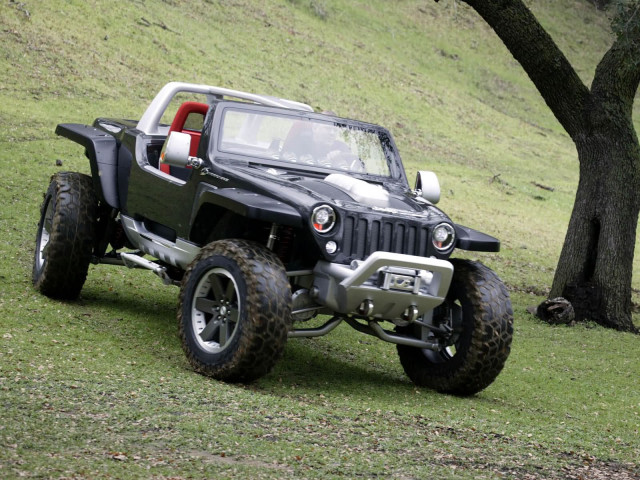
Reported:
(482, 319)
(234, 310)
(65, 238)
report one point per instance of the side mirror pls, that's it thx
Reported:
(428, 186)
(176, 151)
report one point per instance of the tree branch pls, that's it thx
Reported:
(618, 73)
(542, 60)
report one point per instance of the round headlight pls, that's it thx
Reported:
(323, 218)
(443, 237)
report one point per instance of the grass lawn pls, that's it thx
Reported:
(100, 388)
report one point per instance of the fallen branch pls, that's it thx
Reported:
(146, 23)
(544, 187)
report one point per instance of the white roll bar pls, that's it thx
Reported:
(150, 120)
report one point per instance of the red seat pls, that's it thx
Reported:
(184, 122)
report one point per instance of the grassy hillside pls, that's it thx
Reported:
(99, 388)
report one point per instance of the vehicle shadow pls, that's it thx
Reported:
(307, 363)
(134, 309)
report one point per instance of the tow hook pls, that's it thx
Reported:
(410, 314)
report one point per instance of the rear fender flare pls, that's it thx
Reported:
(102, 151)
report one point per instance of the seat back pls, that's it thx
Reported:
(298, 145)
(189, 119)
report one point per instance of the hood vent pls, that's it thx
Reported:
(359, 190)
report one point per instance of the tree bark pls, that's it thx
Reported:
(595, 267)
(594, 271)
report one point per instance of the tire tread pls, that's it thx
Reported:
(72, 235)
(477, 366)
(264, 334)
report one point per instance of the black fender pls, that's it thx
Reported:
(473, 240)
(102, 151)
(248, 204)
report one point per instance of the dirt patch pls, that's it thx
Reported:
(601, 471)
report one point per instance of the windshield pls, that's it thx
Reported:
(304, 141)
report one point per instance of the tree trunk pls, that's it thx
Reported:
(595, 267)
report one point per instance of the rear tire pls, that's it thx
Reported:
(234, 310)
(66, 234)
(478, 310)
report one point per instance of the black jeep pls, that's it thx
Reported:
(268, 215)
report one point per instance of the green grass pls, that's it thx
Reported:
(100, 388)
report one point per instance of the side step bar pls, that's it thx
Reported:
(133, 260)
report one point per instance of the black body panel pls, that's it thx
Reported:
(251, 205)
(101, 149)
(153, 195)
(472, 240)
(260, 192)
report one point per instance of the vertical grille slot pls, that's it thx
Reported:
(386, 237)
(348, 235)
(398, 238)
(362, 232)
(363, 236)
(374, 237)
(410, 241)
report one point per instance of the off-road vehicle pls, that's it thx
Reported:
(268, 215)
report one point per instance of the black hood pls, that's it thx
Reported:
(349, 191)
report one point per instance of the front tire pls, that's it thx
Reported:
(66, 235)
(478, 311)
(234, 311)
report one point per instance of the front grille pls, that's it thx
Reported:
(363, 236)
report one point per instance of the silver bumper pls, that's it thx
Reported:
(385, 286)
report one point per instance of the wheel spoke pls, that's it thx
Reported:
(225, 332)
(233, 314)
(206, 305)
(217, 288)
(456, 317)
(210, 330)
(231, 291)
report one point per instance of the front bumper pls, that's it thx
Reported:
(385, 286)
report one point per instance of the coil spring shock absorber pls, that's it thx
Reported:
(280, 240)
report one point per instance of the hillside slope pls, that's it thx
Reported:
(434, 74)
(100, 388)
